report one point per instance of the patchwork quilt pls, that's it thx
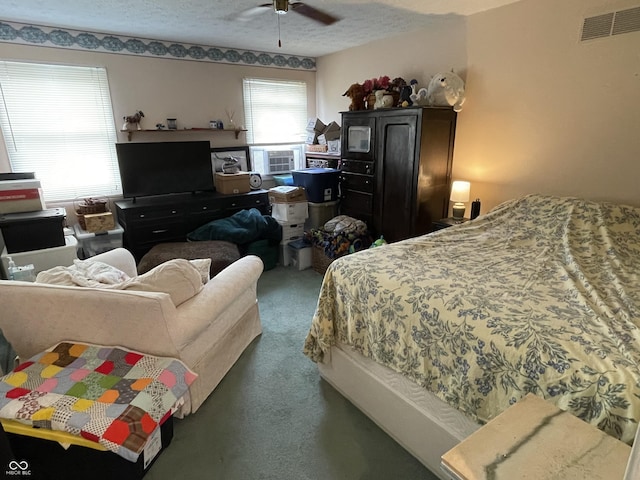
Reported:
(541, 295)
(109, 395)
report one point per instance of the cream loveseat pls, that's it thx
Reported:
(208, 332)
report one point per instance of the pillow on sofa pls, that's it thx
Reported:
(178, 277)
(203, 265)
(84, 273)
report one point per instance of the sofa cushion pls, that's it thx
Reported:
(178, 277)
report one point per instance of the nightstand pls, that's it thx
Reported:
(535, 439)
(446, 223)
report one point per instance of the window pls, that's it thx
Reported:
(57, 121)
(275, 112)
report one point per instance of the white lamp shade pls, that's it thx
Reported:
(460, 191)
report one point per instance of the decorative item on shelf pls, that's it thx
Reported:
(160, 126)
(172, 123)
(460, 196)
(230, 115)
(89, 206)
(446, 89)
(384, 83)
(132, 122)
(356, 93)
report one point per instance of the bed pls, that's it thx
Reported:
(436, 335)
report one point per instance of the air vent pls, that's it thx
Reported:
(614, 23)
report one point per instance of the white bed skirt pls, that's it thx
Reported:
(419, 421)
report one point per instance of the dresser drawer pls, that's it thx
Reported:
(154, 214)
(158, 232)
(360, 202)
(350, 181)
(245, 201)
(357, 166)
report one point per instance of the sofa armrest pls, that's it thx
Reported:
(38, 316)
(236, 283)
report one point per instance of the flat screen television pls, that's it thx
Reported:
(160, 168)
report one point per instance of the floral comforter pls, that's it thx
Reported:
(108, 395)
(540, 295)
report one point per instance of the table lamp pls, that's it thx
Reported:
(459, 195)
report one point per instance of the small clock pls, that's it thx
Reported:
(255, 180)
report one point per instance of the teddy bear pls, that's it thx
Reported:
(356, 93)
(446, 89)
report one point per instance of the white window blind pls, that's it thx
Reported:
(275, 111)
(57, 121)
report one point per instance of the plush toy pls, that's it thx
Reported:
(420, 97)
(383, 99)
(446, 89)
(356, 93)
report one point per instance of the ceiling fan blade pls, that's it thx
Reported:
(249, 13)
(313, 13)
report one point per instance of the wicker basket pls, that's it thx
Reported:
(319, 261)
(87, 207)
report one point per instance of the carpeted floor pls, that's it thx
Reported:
(272, 417)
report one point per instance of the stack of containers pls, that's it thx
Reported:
(315, 128)
(321, 185)
(289, 207)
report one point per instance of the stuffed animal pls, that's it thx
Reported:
(356, 93)
(383, 99)
(446, 89)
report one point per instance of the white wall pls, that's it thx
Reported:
(544, 112)
(193, 92)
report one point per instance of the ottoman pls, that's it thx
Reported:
(221, 253)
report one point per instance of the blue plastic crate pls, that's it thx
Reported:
(321, 184)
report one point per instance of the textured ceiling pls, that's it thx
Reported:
(216, 23)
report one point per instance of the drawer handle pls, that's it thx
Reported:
(233, 204)
(160, 231)
(204, 208)
(142, 215)
(173, 212)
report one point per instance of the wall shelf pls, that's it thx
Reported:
(186, 130)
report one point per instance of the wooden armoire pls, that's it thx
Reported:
(396, 168)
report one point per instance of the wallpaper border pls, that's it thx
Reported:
(26, 34)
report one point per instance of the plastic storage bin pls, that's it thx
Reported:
(45, 258)
(28, 231)
(90, 244)
(321, 184)
(320, 213)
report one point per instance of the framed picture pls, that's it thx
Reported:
(221, 154)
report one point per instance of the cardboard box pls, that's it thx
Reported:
(333, 146)
(312, 137)
(331, 131)
(315, 125)
(287, 194)
(229, 183)
(24, 195)
(290, 212)
(291, 231)
(99, 222)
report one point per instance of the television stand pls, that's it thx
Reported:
(148, 221)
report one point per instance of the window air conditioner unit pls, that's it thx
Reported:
(280, 161)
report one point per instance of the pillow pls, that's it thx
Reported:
(178, 277)
(203, 265)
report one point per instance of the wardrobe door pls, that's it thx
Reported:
(396, 175)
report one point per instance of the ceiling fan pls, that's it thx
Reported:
(281, 7)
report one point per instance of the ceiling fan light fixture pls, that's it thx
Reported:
(281, 6)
